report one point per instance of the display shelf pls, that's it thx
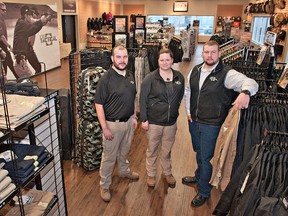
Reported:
(37, 207)
(158, 37)
(227, 45)
(51, 205)
(252, 54)
(231, 50)
(5, 136)
(189, 42)
(43, 130)
(99, 40)
(9, 198)
(153, 27)
(239, 54)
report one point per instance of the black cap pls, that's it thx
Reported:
(34, 10)
(25, 10)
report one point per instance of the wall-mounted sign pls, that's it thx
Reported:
(69, 6)
(180, 6)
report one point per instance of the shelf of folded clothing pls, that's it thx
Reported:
(8, 198)
(35, 202)
(27, 180)
(51, 205)
(31, 120)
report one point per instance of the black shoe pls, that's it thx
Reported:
(189, 180)
(198, 200)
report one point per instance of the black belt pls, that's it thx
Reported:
(118, 120)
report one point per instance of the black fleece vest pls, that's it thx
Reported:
(211, 105)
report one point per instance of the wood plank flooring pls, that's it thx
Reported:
(134, 198)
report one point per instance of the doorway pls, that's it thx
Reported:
(69, 30)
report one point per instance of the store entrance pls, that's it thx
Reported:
(69, 30)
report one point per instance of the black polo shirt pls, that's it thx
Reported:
(117, 94)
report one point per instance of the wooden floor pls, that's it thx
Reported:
(134, 198)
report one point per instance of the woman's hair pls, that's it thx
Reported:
(165, 50)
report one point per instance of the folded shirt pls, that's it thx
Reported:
(7, 191)
(20, 105)
(3, 174)
(4, 183)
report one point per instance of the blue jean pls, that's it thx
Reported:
(203, 141)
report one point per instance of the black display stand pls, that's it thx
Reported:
(139, 32)
(120, 31)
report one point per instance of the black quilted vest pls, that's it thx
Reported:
(212, 103)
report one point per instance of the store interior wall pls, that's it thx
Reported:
(95, 8)
(230, 10)
(133, 9)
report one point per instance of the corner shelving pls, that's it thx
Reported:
(40, 129)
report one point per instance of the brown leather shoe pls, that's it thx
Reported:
(170, 179)
(151, 181)
(105, 194)
(130, 175)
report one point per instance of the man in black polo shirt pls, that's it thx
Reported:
(114, 101)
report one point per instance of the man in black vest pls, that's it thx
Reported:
(209, 95)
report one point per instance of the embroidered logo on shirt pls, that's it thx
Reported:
(213, 79)
(178, 82)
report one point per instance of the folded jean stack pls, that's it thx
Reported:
(22, 87)
(7, 187)
(88, 147)
(20, 109)
(28, 159)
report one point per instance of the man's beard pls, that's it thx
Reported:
(118, 68)
(210, 63)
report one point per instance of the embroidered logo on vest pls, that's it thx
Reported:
(178, 82)
(213, 79)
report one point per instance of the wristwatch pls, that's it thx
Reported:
(247, 92)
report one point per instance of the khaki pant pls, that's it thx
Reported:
(163, 136)
(118, 148)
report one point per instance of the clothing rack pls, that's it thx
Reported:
(178, 39)
(275, 133)
(141, 52)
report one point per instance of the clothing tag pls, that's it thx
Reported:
(26, 200)
(6, 155)
(285, 202)
(43, 204)
(244, 183)
(2, 165)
